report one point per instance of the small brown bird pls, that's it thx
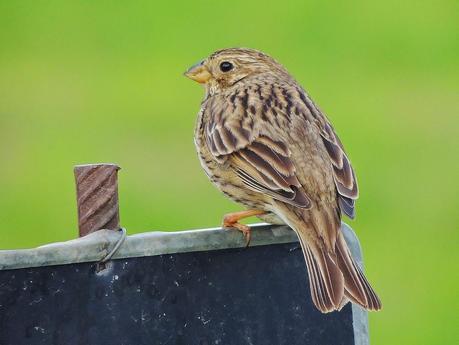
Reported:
(265, 144)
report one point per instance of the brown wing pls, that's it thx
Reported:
(265, 166)
(261, 162)
(345, 180)
(235, 128)
(344, 176)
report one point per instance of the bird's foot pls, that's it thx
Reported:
(241, 227)
(231, 220)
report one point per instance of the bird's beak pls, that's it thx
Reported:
(198, 72)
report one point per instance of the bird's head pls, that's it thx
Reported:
(225, 68)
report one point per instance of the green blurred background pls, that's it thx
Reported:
(85, 82)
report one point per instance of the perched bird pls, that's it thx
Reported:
(265, 144)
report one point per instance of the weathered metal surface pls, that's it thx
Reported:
(225, 294)
(97, 197)
(258, 295)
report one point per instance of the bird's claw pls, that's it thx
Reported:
(238, 226)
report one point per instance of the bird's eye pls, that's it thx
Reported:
(226, 66)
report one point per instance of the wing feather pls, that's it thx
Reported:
(260, 166)
(343, 173)
(261, 162)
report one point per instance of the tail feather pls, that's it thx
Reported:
(325, 279)
(357, 287)
(334, 277)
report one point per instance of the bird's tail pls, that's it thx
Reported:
(356, 286)
(334, 276)
(325, 278)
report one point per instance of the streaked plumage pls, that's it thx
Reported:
(265, 144)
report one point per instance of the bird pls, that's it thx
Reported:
(266, 145)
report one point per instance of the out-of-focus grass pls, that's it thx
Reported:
(88, 82)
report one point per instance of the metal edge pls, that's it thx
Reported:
(97, 245)
(359, 315)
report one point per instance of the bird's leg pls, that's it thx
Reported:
(231, 220)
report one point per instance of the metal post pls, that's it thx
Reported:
(97, 197)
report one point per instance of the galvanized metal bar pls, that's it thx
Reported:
(96, 246)
(97, 197)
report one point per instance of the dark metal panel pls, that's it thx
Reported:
(258, 295)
